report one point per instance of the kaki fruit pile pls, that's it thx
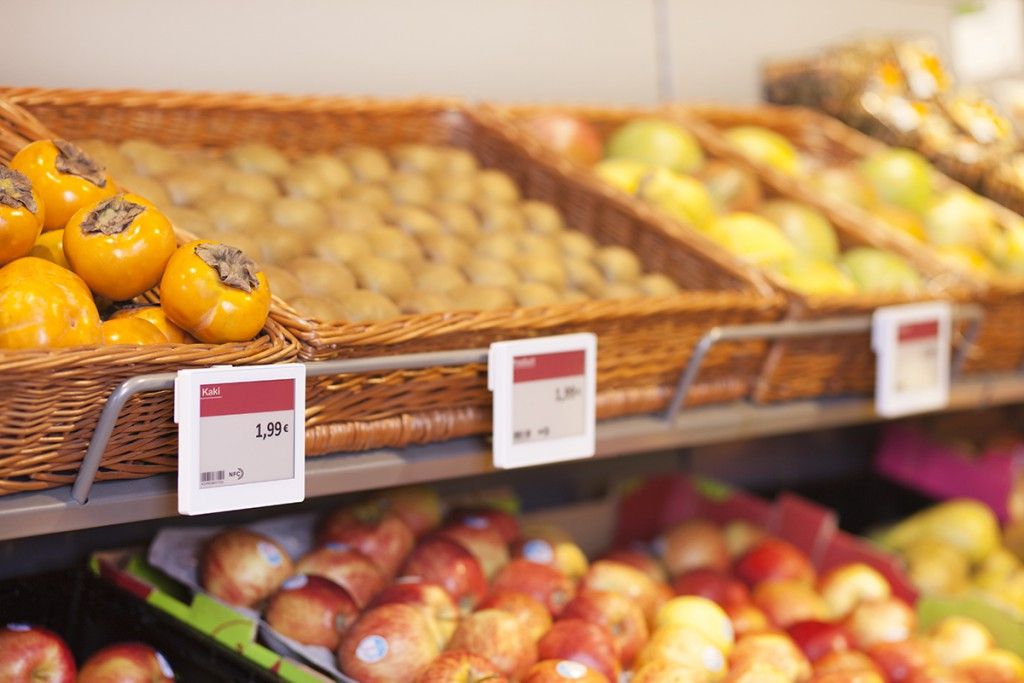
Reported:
(73, 243)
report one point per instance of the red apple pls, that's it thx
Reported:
(500, 638)
(617, 614)
(388, 643)
(418, 506)
(32, 653)
(939, 674)
(640, 559)
(126, 663)
(312, 610)
(747, 619)
(845, 662)
(693, 544)
(448, 564)
(899, 661)
(819, 638)
(584, 642)
(476, 535)
(713, 585)
(502, 522)
(607, 575)
(775, 649)
(242, 567)
(755, 672)
(548, 586)
(530, 612)
(881, 621)
(955, 639)
(773, 558)
(847, 585)
(668, 671)
(789, 601)
(860, 676)
(993, 666)
(457, 666)
(571, 137)
(348, 568)
(369, 528)
(430, 598)
(561, 670)
(741, 536)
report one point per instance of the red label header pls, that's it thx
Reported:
(548, 366)
(915, 331)
(239, 398)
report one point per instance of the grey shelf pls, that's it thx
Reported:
(33, 514)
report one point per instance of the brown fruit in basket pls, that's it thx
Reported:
(550, 271)
(259, 158)
(498, 217)
(573, 296)
(535, 294)
(366, 163)
(413, 220)
(383, 276)
(446, 249)
(455, 188)
(490, 272)
(233, 213)
(499, 246)
(305, 183)
(732, 188)
(107, 156)
(149, 158)
(370, 194)
(618, 264)
(530, 244)
(438, 278)
(410, 188)
(352, 216)
(323, 308)
(392, 243)
(330, 169)
(423, 302)
(361, 305)
(300, 215)
(147, 188)
(342, 247)
(190, 220)
(321, 278)
(245, 241)
(541, 217)
(416, 158)
(480, 298)
(583, 275)
(456, 219)
(188, 186)
(454, 161)
(255, 186)
(277, 245)
(576, 243)
(496, 185)
(655, 284)
(619, 290)
(282, 282)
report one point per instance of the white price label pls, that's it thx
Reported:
(912, 344)
(241, 437)
(544, 399)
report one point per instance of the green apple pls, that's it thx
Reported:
(683, 197)
(752, 237)
(765, 146)
(901, 177)
(658, 143)
(814, 276)
(875, 270)
(624, 174)
(962, 218)
(808, 230)
(845, 184)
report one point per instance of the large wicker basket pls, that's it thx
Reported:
(821, 366)
(643, 344)
(1000, 343)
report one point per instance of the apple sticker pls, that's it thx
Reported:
(475, 522)
(19, 627)
(335, 546)
(571, 670)
(165, 666)
(372, 649)
(270, 553)
(296, 582)
(714, 661)
(538, 551)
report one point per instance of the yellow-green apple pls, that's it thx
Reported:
(448, 564)
(372, 530)
(819, 638)
(731, 187)
(693, 544)
(530, 612)
(568, 135)
(242, 567)
(641, 559)
(881, 621)
(860, 676)
(565, 556)
(713, 585)
(937, 673)
(657, 142)
(419, 507)
(547, 585)
(584, 642)
(901, 177)
(312, 610)
(776, 649)
(756, 672)
(667, 671)
(498, 637)
(747, 619)
(773, 558)
(433, 600)
(788, 601)
(741, 536)
(846, 585)
(347, 567)
(992, 666)
(502, 521)
(31, 654)
(458, 666)
(955, 639)
(685, 646)
(765, 146)
(388, 643)
(699, 614)
(846, 662)
(476, 535)
(900, 660)
(620, 616)
(561, 670)
(126, 663)
(608, 575)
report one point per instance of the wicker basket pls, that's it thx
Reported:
(643, 344)
(823, 366)
(1000, 344)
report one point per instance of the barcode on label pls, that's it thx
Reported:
(210, 477)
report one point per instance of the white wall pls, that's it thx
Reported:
(517, 50)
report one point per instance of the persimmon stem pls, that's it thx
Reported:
(112, 216)
(72, 160)
(234, 268)
(16, 190)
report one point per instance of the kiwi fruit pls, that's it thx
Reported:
(531, 244)
(147, 188)
(282, 283)
(361, 305)
(368, 193)
(541, 217)
(255, 186)
(619, 290)
(576, 243)
(438, 278)
(149, 158)
(323, 308)
(230, 212)
(455, 162)
(106, 155)
(480, 298)
(190, 220)
(573, 296)
(277, 245)
(412, 220)
(445, 249)
(416, 303)
(300, 215)
(342, 247)
(367, 164)
(330, 169)
(246, 242)
(413, 158)
(497, 186)
(490, 272)
(392, 243)
(321, 278)
(550, 271)
(189, 186)
(498, 217)
(618, 264)
(583, 275)
(497, 246)
(455, 188)
(352, 216)
(383, 276)
(256, 157)
(656, 284)
(535, 294)
(305, 183)
(456, 219)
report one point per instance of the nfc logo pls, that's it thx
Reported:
(209, 391)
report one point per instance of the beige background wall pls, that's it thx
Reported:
(573, 50)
